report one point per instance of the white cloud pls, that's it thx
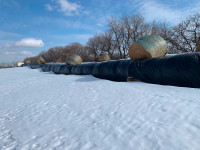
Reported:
(154, 10)
(30, 43)
(68, 8)
(48, 7)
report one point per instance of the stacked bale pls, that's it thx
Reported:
(73, 59)
(103, 57)
(147, 47)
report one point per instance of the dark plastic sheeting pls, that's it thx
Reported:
(57, 68)
(105, 70)
(36, 66)
(47, 67)
(83, 69)
(65, 70)
(180, 70)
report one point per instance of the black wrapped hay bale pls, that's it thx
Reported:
(47, 67)
(112, 70)
(65, 70)
(122, 70)
(36, 66)
(77, 70)
(57, 68)
(149, 46)
(88, 68)
(106, 70)
(180, 70)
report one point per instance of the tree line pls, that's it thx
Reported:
(122, 32)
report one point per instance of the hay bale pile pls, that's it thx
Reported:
(103, 57)
(73, 59)
(149, 46)
(155, 70)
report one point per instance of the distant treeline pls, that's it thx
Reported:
(122, 32)
(8, 65)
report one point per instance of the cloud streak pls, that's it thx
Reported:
(48, 7)
(29, 43)
(64, 6)
(23, 43)
(24, 53)
(154, 10)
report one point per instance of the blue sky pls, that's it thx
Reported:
(28, 27)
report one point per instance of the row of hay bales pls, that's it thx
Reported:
(147, 47)
(179, 70)
(147, 64)
(75, 59)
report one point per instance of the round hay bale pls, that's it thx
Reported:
(103, 57)
(41, 60)
(149, 46)
(73, 59)
(27, 61)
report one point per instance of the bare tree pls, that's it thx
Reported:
(184, 36)
(126, 30)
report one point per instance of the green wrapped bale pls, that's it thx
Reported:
(149, 46)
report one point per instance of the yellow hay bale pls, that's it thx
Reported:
(41, 60)
(103, 57)
(73, 59)
(149, 46)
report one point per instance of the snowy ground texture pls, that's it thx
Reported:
(44, 111)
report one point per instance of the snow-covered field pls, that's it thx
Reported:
(45, 111)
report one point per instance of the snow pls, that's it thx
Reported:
(44, 111)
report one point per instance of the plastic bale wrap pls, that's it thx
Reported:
(57, 68)
(83, 69)
(180, 70)
(30, 64)
(106, 70)
(149, 46)
(88, 68)
(36, 66)
(122, 70)
(47, 67)
(77, 70)
(65, 70)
